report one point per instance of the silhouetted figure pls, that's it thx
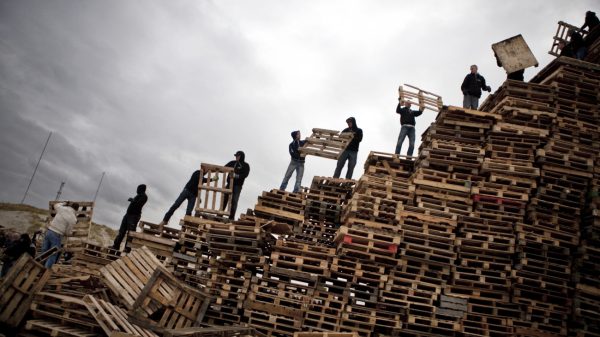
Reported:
(132, 216)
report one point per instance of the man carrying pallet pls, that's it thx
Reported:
(407, 122)
(60, 226)
(296, 163)
(189, 193)
(241, 169)
(351, 152)
(471, 88)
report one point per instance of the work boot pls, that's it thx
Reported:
(162, 224)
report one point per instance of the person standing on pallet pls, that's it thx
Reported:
(59, 227)
(351, 152)
(407, 122)
(296, 163)
(241, 169)
(471, 88)
(189, 193)
(132, 216)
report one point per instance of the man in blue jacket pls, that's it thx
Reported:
(471, 88)
(351, 152)
(296, 163)
(407, 122)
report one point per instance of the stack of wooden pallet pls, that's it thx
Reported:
(324, 202)
(160, 239)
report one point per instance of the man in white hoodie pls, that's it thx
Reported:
(61, 225)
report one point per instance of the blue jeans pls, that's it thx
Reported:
(470, 102)
(294, 166)
(406, 130)
(191, 202)
(351, 156)
(52, 239)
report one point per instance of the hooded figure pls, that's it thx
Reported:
(591, 21)
(241, 169)
(132, 216)
(296, 163)
(351, 152)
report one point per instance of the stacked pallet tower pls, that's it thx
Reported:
(492, 230)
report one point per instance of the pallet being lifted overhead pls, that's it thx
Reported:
(326, 143)
(423, 99)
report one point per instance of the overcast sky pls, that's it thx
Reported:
(147, 90)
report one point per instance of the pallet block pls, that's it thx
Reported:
(423, 99)
(18, 287)
(326, 143)
(178, 305)
(113, 319)
(212, 194)
(127, 276)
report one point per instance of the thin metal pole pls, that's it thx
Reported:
(62, 184)
(95, 195)
(36, 167)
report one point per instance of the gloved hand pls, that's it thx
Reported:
(130, 199)
(488, 88)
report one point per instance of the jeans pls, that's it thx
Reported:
(294, 166)
(351, 156)
(470, 102)
(406, 130)
(127, 224)
(191, 202)
(52, 239)
(235, 197)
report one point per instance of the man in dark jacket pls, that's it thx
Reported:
(471, 88)
(351, 152)
(407, 122)
(591, 21)
(296, 163)
(132, 216)
(241, 169)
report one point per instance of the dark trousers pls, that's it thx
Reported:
(235, 197)
(191, 202)
(127, 224)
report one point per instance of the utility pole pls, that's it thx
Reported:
(62, 184)
(36, 167)
(95, 195)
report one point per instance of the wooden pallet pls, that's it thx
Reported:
(112, 318)
(18, 287)
(212, 194)
(50, 328)
(326, 143)
(127, 276)
(178, 305)
(421, 98)
(211, 331)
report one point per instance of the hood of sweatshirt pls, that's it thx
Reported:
(141, 189)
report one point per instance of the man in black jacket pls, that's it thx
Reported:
(407, 122)
(296, 163)
(471, 88)
(351, 152)
(132, 216)
(241, 169)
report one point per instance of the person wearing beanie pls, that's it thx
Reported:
(296, 163)
(351, 152)
(241, 170)
(132, 216)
